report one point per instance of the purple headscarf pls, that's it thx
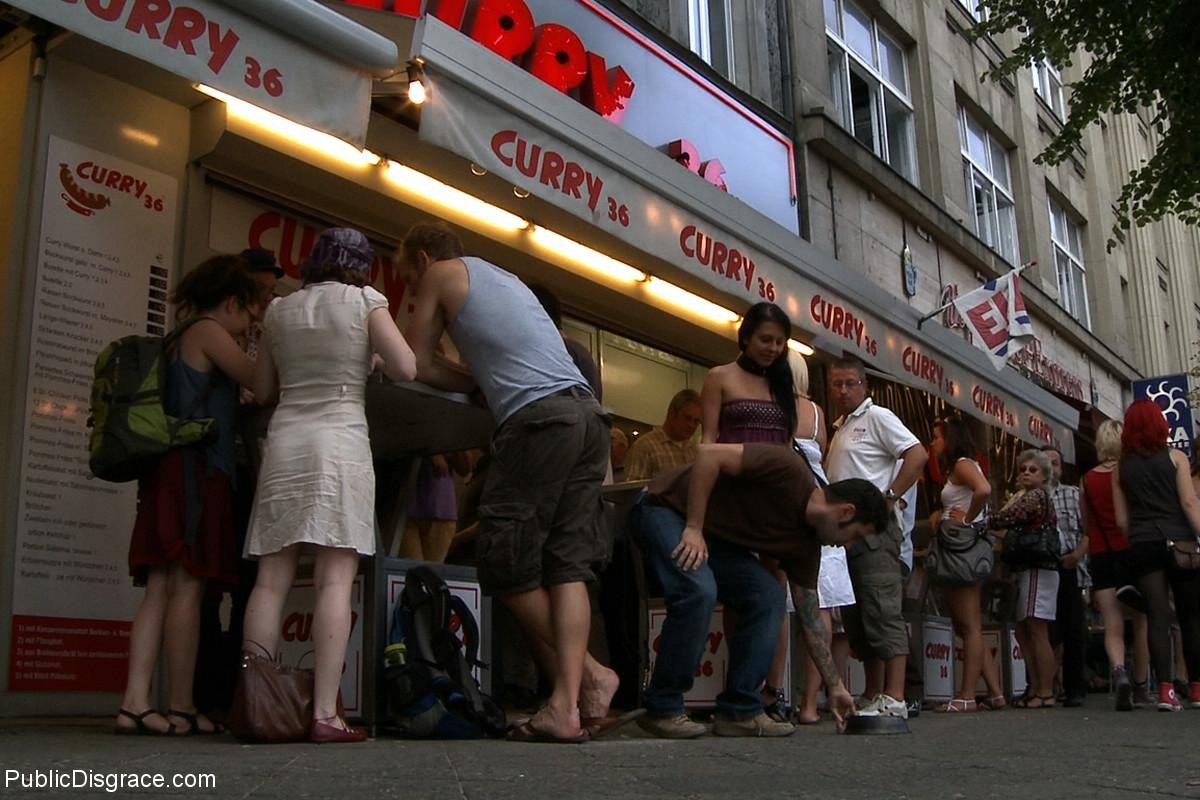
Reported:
(345, 248)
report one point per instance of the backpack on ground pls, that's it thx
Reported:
(131, 430)
(434, 694)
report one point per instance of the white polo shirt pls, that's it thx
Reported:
(868, 444)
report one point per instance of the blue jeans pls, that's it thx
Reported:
(732, 575)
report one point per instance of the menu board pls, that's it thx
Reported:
(103, 272)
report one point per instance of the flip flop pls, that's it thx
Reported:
(528, 733)
(797, 721)
(140, 727)
(598, 727)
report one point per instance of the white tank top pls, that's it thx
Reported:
(955, 496)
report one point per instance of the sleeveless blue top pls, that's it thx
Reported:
(184, 386)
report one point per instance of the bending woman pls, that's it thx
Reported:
(316, 488)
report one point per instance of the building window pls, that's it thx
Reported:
(989, 187)
(975, 8)
(710, 34)
(1047, 83)
(868, 75)
(1068, 263)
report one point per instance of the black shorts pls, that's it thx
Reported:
(1143, 558)
(1109, 570)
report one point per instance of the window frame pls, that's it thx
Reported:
(977, 11)
(700, 34)
(1048, 85)
(1066, 242)
(999, 234)
(880, 87)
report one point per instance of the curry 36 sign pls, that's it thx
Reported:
(212, 43)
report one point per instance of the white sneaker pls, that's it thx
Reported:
(884, 706)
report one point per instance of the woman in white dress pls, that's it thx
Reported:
(833, 581)
(316, 487)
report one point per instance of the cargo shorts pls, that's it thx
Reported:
(541, 520)
(875, 624)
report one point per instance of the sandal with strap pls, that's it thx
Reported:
(957, 704)
(778, 710)
(140, 728)
(997, 703)
(193, 721)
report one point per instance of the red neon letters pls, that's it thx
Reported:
(687, 156)
(551, 52)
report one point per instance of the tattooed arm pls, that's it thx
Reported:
(816, 636)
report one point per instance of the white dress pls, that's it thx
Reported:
(317, 483)
(833, 581)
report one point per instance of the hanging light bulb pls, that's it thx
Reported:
(416, 84)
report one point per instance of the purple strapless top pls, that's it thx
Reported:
(743, 421)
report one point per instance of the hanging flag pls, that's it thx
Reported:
(995, 313)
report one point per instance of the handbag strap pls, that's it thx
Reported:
(265, 652)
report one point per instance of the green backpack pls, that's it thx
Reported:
(131, 430)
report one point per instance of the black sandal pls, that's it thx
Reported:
(140, 728)
(779, 710)
(193, 721)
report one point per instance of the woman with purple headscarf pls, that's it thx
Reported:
(316, 487)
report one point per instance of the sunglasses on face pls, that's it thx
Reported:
(846, 384)
(1029, 468)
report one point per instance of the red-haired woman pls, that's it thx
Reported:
(1156, 505)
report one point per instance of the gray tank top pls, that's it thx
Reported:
(515, 352)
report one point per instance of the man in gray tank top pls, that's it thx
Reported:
(541, 531)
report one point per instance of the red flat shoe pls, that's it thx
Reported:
(324, 733)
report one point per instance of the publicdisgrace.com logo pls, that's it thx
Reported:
(111, 782)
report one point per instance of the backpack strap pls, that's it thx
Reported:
(427, 599)
(470, 629)
(460, 664)
(171, 341)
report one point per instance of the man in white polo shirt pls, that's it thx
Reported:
(872, 443)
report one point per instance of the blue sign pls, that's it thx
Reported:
(1170, 392)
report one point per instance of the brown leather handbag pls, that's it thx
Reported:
(271, 702)
(1186, 553)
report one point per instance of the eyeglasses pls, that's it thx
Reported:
(846, 384)
(1029, 468)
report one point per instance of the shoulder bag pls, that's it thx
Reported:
(959, 555)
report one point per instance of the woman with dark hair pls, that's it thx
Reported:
(752, 399)
(1029, 511)
(316, 487)
(183, 536)
(964, 498)
(1156, 506)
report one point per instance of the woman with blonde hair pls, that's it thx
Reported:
(833, 581)
(1029, 514)
(1107, 550)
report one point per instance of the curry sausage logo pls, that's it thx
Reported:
(77, 198)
